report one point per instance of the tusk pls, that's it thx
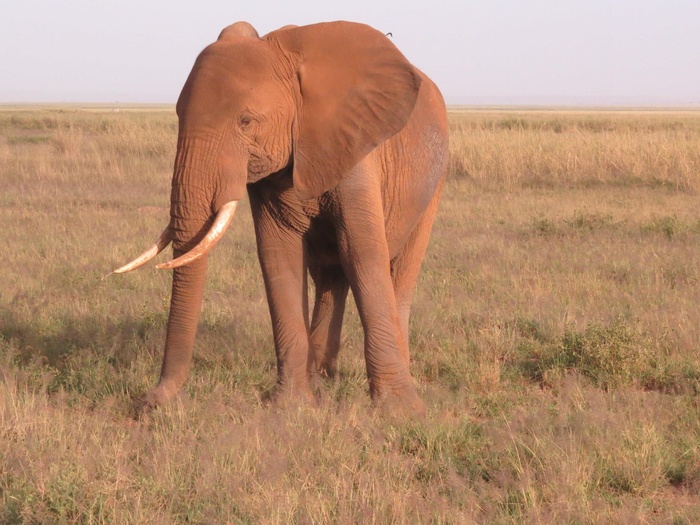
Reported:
(149, 254)
(214, 235)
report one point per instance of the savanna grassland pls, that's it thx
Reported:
(555, 339)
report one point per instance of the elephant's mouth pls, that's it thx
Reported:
(222, 221)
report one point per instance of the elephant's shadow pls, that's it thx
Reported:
(72, 345)
(80, 351)
(54, 341)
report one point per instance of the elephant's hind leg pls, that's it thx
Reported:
(406, 266)
(327, 319)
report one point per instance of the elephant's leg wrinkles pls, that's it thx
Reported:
(282, 260)
(365, 257)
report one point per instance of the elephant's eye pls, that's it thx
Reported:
(244, 122)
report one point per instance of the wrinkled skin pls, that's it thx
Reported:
(341, 145)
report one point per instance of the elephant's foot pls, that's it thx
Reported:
(158, 396)
(399, 399)
(323, 362)
(293, 393)
(327, 369)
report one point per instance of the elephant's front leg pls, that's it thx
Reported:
(281, 255)
(365, 257)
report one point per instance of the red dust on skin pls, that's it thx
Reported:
(342, 147)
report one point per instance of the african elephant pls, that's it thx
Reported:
(342, 147)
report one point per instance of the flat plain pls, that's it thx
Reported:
(555, 338)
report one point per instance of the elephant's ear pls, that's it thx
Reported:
(357, 90)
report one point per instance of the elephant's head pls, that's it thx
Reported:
(313, 99)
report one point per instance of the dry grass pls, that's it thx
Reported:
(555, 336)
(583, 149)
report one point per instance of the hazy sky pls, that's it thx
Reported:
(484, 52)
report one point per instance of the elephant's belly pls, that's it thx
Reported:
(322, 242)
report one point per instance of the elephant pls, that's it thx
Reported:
(341, 146)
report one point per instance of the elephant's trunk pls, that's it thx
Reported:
(185, 309)
(190, 220)
(202, 204)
